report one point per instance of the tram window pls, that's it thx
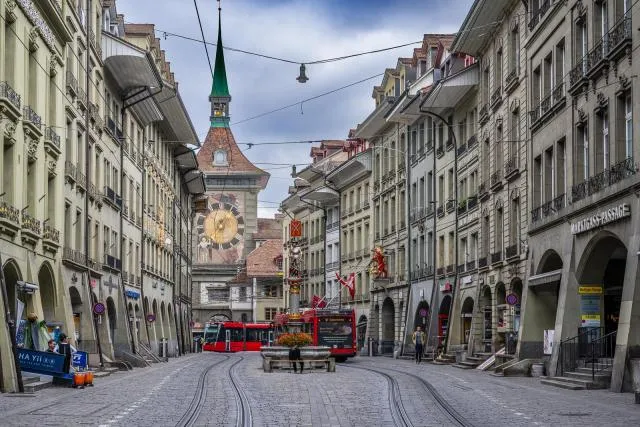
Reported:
(253, 334)
(237, 335)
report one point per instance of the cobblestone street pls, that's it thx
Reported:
(362, 392)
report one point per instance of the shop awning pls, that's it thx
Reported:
(450, 91)
(134, 73)
(545, 282)
(176, 120)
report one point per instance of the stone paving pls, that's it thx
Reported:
(160, 396)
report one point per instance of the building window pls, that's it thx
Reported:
(582, 152)
(220, 158)
(217, 294)
(270, 313)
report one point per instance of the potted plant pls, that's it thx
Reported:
(296, 339)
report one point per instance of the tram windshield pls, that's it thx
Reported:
(211, 333)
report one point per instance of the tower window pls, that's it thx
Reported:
(220, 158)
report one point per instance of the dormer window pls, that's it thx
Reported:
(220, 158)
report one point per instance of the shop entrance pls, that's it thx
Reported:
(361, 330)
(422, 316)
(388, 326)
(600, 290)
(443, 318)
(467, 315)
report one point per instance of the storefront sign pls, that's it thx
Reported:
(80, 359)
(590, 290)
(590, 320)
(132, 294)
(605, 217)
(590, 307)
(41, 362)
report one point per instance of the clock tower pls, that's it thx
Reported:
(223, 232)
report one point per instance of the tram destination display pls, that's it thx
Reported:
(335, 332)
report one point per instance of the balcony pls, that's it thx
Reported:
(440, 151)
(535, 214)
(31, 229)
(450, 205)
(496, 257)
(440, 271)
(81, 180)
(332, 266)
(94, 265)
(471, 265)
(450, 269)
(472, 202)
(72, 84)
(483, 190)
(32, 120)
(462, 149)
(511, 168)
(496, 98)
(82, 98)
(51, 141)
(440, 211)
(496, 180)
(73, 258)
(449, 144)
(50, 238)
(112, 262)
(536, 16)
(482, 263)
(9, 219)
(9, 98)
(604, 179)
(112, 198)
(483, 115)
(619, 38)
(462, 207)
(512, 252)
(472, 142)
(460, 269)
(511, 81)
(577, 77)
(597, 58)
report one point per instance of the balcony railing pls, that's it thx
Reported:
(619, 36)
(511, 166)
(440, 271)
(472, 141)
(535, 214)
(440, 151)
(511, 251)
(496, 257)
(449, 144)
(9, 218)
(471, 265)
(450, 269)
(483, 189)
(31, 224)
(496, 179)
(9, 94)
(72, 83)
(451, 204)
(482, 262)
(472, 202)
(50, 136)
(606, 178)
(577, 74)
(483, 115)
(71, 255)
(597, 56)
(496, 97)
(51, 234)
(462, 149)
(440, 211)
(32, 117)
(511, 80)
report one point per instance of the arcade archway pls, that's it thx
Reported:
(112, 318)
(388, 325)
(47, 288)
(443, 318)
(486, 311)
(361, 330)
(466, 313)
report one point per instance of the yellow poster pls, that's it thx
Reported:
(590, 290)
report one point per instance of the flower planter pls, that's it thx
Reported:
(78, 379)
(88, 378)
(309, 352)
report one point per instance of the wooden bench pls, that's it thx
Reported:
(269, 363)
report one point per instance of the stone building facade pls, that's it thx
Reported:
(80, 203)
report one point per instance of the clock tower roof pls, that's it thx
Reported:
(220, 156)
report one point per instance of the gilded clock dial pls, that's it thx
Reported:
(224, 226)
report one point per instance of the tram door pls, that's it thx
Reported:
(227, 340)
(270, 338)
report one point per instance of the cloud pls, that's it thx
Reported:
(300, 31)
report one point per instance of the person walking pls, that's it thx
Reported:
(294, 357)
(419, 339)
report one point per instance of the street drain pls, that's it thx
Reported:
(575, 414)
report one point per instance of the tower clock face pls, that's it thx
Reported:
(223, 226)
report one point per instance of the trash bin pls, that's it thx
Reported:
(164, 346)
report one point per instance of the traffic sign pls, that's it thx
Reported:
(423, 312)
(151, 318)
(99, 308)
(512, 299)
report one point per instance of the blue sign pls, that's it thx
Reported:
(20, 331)
(132, 294)
(41, 362)
(80, 359)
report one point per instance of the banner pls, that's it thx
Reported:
(350, 283)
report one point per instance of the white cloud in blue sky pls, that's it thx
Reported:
(301, 31)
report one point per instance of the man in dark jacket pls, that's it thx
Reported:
(65, 348)
(294, 355)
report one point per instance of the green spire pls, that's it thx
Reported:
(220, 88)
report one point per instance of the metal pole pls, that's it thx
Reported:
(179, 317)
(176, 301)
(87, 167)
(11, 327)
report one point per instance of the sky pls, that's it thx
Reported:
(301, 31)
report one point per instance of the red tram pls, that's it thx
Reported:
(335, 328)
(237, 336)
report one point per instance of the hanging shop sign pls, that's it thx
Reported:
(607, 216)
(590, 290)
(99, 308)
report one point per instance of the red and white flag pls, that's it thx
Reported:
(318, 302)
(349, 283)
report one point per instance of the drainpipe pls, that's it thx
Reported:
(142, 251)
(87, 170)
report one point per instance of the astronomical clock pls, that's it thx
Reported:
(220, 231)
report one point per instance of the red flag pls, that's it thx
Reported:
(350, 283)
(314, 301)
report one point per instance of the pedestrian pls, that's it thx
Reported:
(419, 339)
(64, 347)
(52, 346)
(294, 357)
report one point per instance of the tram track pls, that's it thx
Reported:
(444, 405)
(195, 406)
(244, 419)
(398, 412)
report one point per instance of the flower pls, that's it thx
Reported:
(295, 339)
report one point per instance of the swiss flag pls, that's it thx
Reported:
(350, 283)
(316, 301)
(295, 229)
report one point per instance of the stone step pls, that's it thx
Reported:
(562, 384)
(588, 376)
(36, 385)
(30, 379)
(600, 369)
(478, 359)
(497, 374)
